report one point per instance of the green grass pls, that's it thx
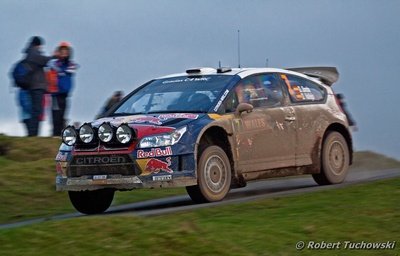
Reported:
(27, 181)
(27, 177)
(367, 212)
(368, 160)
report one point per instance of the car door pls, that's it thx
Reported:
(265, 137)
(307, 100)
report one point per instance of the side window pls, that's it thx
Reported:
(303, 90)
(262, 90)
(230, 104)
(273, 90)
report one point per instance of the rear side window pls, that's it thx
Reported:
(303, 90)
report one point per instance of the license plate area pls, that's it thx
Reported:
(99, 177)
(162, 178)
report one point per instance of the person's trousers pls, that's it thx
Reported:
(58, 109)
(26, 123)
(36, 111)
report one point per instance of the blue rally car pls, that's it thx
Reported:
(209, 130)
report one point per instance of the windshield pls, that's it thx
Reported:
(177, 94)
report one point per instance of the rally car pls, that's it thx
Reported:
(209, 130)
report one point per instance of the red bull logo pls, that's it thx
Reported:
(155, 152)
(155, 165)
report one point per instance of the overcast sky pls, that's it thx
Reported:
(122, 44)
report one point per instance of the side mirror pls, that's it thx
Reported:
(242, 107)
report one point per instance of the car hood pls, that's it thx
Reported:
(161, 120)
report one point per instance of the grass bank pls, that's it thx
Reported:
(27, 181)
(27, 176)
(367, 212)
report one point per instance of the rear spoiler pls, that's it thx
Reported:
(327, 75)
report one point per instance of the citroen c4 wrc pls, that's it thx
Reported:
(209, 130)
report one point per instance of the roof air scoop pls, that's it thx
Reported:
(200, 71)
(224, 70)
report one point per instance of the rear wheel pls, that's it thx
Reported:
(91, 202)
(213, 176)
(335, 159)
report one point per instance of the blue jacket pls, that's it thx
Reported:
(65, 71)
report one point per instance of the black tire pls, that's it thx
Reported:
(91, 202)
(335, 159)
(213, 176)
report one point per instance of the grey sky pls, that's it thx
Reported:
(121, 44)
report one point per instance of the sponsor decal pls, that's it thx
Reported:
(87, 160)
(148, 119)
(99, 177)
(141, 119)
(308, 95)
(115, 121)
(178, 115)
(154, 152)
(253, 124)
(297, 92)
(155, 165)
(157, 120)
(59, 169)
(188, 79)
(221, 100)
(61, 157)
(162, 177)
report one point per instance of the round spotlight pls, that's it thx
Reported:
(69, 135)
(86, 133)
(105, 132)
(124, 134)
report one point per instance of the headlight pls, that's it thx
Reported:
(69, 136)
(105, 132)
(86, 133)
(124, 134)
(162, 140)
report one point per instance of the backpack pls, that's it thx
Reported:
(22, 74)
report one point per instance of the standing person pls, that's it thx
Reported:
(114, 99)
(24, 101)
(343, 105)
(61, 86)
(38, 85)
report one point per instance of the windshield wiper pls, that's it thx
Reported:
(176, 111)
(126, 114)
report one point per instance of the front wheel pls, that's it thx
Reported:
(335, 159)
(213, 176)
(91, 202)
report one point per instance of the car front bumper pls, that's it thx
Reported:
(119, 182)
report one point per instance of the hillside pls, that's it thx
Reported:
(31, 149)
(27, 176)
